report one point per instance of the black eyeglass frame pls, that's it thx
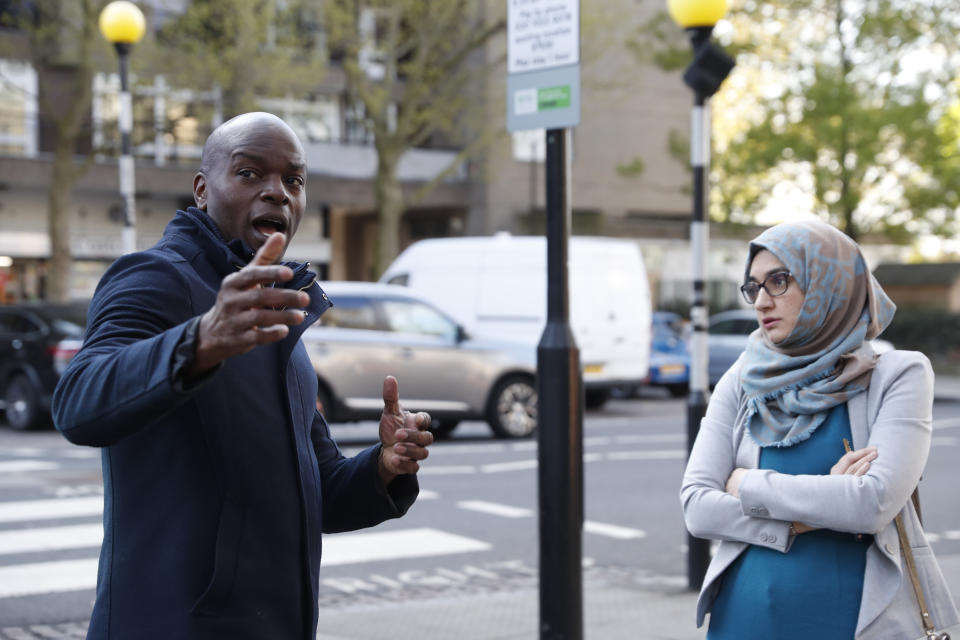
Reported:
(763, 285)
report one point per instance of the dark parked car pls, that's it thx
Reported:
(36, 343)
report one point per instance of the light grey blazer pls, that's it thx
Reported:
(894, 415)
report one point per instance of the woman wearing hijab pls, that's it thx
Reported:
(808, 545)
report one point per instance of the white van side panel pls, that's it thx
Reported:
(496, 286)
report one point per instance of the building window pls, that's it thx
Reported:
(18, 109)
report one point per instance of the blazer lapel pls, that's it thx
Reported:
(859, 427)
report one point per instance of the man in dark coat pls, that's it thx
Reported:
(219, 474)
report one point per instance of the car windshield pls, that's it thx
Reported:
(412, 317)
(67, 328)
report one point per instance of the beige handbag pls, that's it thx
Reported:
(930, 630)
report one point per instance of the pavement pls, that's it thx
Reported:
(618, 604)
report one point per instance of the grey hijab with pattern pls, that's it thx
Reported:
(790, 386)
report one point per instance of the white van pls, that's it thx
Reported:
(497, 287)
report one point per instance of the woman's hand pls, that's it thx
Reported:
(733, 482)
(854, 463)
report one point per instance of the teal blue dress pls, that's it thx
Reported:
(813, 590)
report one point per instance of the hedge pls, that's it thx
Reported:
(935, 332)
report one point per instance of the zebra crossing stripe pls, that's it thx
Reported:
(352, 548)
(47, 577)
(25, 510)
(613, 530)
(20, 466)
(50, 538)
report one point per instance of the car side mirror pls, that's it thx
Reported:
(462, 334)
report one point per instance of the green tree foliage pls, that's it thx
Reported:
(248, 48)
(412, 69)
(61, 35)
(843, 103)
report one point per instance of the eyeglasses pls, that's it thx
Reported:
(775, 285)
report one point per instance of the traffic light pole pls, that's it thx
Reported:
(698, 553)
(127, 188)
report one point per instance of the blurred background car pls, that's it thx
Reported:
(669, 356)
(374, 330)
(729, 332)
(728, 335)
(36, 343)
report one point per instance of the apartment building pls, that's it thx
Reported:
(628, 112)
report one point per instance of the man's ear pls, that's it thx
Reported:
(200, 191)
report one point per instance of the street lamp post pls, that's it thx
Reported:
(708, 70)
(122, 23)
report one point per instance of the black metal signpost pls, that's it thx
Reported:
(560, 422)
(543, 92)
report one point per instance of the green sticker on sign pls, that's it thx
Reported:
(553, 98)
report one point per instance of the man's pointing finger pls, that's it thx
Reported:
(271, 250)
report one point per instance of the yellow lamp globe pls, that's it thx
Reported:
(122, 22)
(696, 13)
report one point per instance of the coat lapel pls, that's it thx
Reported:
(859, 426)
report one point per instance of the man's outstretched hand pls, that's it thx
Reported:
(247, 312)
(403, 435)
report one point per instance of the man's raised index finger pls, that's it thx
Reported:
(271, 250)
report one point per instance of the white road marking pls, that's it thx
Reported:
(518, 465)
(19, 466)
(953, 534)
(351, 548)
(649, 438)
(666, 454)
(50, 538)
(495, 509)
(25, 451)
(48, 509)
(946, 423)
(80, 453)
(48, 577)
(444, 448)
(427, 494)
(525, 465)
(448, 470)
(613, 530)
(590, 526)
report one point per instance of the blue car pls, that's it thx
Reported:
(669, 356)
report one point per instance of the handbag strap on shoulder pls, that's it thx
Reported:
(928, 625)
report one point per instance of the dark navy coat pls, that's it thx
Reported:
(215, 496)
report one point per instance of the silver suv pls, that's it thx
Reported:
(375, 330)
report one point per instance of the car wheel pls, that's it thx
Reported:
(442, 428)
(512, 410)
(23, 407)
(325, 403)
(596, 398)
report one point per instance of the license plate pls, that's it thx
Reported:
(593, 368)
(672, 369)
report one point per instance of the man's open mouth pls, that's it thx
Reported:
(268, 225)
